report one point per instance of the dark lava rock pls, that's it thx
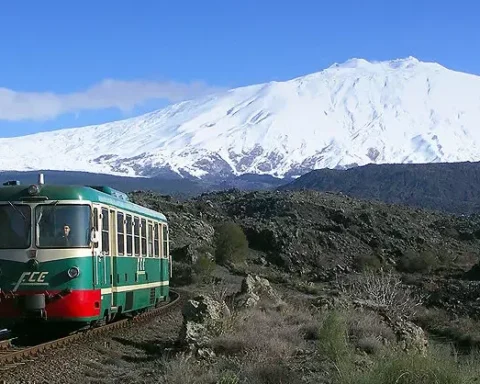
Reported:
(320, 235)
(456, 296)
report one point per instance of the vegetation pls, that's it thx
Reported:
(417, 262)
(203, 268)
(295, 344)
(367, 262)
(395, 367)
(231, 244)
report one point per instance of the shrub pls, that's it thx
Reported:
(382, 290)
(204, 268)
(367, 262)
(231, 244)
(417, 262)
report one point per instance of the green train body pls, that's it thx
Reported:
(78, 254)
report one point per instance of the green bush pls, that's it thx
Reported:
(203, 268)
(231, 244)
(417, 262)
(366, 262)
(333, 338)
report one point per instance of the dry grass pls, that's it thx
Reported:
(367, 323)
(370, 344)
(266, 335)
(186, 371)
(255, 346)
(465, 332)
(293, 343)
(438, 367)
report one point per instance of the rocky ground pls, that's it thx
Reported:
(318, 235)
(248, 330)
(389, 278)
(309, 240)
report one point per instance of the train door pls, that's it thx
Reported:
(108, 252)
(164, 253)
(114, 251)
(101, 249)
(98, 269)
(156, 252)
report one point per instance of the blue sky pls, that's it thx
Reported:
(67, 64)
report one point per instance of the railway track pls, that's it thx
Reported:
(13, 354)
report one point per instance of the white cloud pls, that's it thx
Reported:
(123, 95)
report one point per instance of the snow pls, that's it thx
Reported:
(353, 113)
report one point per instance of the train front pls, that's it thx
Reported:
(45, 260)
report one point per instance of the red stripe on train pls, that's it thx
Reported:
(76, 304)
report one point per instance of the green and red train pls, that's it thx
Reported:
(78, 255)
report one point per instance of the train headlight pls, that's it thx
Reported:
(33, 189)
(73, 272)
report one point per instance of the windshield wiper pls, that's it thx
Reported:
(16, 209)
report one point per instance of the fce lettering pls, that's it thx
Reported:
(31, 278)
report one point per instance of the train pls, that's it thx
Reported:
(78, 256)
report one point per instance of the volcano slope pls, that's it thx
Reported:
(311, 234)
(310, 240)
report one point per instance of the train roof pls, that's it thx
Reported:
(97, 194)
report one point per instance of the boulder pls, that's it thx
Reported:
(410, 337)
(199, 315)
(253, 290)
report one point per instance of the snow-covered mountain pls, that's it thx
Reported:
(358, 112)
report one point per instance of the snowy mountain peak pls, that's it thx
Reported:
(354, 113)
(354, 63)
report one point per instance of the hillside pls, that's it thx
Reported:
(316, 235)
(453, 188)
(320, 244)
(354, 113)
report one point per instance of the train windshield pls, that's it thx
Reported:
(15, 226)
(62, 225)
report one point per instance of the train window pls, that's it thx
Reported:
(165, 240)
(120, 233)
(136, 235)
(151, 235)
(15, 226)
(105, 229)
(129, 235)
(63, 225)
(156, 241)
(144, 237)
